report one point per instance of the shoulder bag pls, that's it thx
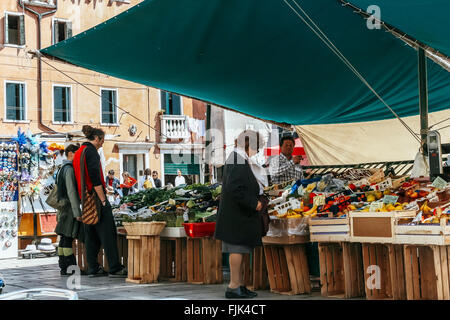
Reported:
(90, 203)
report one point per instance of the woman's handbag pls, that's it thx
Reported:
(90, 204)
(264, 213)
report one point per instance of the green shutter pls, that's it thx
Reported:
(68, 29)
(68, 106)
(57, 104)
(113, 107)
(176, 104)
(21, 104)
(6, 29)
(55, 31)
(15, 98)
(164, 101)
(109, 106)
(10, 101)
(22, 30)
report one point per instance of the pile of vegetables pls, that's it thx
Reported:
(193, 203)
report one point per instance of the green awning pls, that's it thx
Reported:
(259, 58)
(425, 20)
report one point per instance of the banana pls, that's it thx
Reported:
(294, 216)
(311, 211)
(282, 215)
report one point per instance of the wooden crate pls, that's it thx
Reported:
(255, 270)
(143, 259)
(353, 270)
(329, 229)
(341, 269)
(424, 234)
(375, 227)
(173, 259)
(331, 269)
(204, 260)
(388, 258)
(427, 272)
(287, 264)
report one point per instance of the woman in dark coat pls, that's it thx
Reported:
(68, 228)
(238, 222)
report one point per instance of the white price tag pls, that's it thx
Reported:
(319, 200)
(375, 205)
(439, 183)
(390, 199)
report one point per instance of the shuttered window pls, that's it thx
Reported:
(62, 104)
(62, 30)
(14, 27)
(109, 107)
(15, 101)
(171, 103)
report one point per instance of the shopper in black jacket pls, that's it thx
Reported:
(104, 233)
(238, 222)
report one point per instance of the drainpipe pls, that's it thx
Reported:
(41, 126)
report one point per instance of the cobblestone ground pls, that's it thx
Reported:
(21, 274)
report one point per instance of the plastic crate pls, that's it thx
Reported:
(200, 229)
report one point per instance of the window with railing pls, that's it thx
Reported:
(170, 103)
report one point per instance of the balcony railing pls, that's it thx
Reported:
(174, 127)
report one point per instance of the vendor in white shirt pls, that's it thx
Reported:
(179, 180)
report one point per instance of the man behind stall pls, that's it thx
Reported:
(285, 167)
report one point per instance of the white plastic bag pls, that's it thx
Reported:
(420, 167)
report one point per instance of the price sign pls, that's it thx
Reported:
(319, 200)
(439, 183)
(390, 199)
(375, 205)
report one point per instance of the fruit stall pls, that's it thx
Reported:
(366, 224)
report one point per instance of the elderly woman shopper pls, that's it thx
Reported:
(239, 223)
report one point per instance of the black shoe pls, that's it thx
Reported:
(252, 294)
(99, 273)
(122, 273)
(62, 262)
(237, 293)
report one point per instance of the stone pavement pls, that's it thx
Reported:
(21, 274)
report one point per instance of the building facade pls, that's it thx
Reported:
(145, 127)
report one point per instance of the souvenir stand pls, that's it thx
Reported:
(36, 166)
(8, 199)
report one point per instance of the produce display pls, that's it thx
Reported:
(335, 195)
(193, 203)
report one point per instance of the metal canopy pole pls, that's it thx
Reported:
(423, 98)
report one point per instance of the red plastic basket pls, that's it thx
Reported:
(200, 229)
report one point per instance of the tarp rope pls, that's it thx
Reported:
(322, 36)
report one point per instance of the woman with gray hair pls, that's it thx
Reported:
(239, 223)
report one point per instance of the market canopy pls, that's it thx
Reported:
(424, 20)
(260, 58)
